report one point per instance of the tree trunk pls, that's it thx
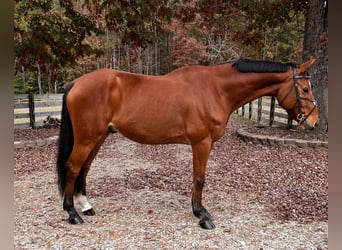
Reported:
(23, 75)
(55, 87)
(39, 80)
(49, 80)
(315, 45)
(128, 59)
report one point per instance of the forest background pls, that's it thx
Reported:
(59, 40)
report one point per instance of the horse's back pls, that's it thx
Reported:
(171, 108)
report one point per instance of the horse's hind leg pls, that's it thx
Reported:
(73, 168)
(80, 196)
(201, 153)
(80, 185)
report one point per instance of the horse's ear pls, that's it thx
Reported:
(304, 67)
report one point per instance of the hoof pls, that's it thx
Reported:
(206, 224)
(89, 212)
(76, 220)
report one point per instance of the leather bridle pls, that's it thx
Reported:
(301, 117)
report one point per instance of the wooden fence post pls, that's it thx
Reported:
(31, 111)
(250, 111)
(272, 111)
(289, 122)
(259, 111)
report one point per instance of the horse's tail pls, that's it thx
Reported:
(65, 142)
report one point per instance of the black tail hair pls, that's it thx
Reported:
(65, 142)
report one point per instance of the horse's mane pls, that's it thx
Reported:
(247, 65)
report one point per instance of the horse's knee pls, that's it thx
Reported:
(199, 183)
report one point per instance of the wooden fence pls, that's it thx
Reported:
(31, 110)
(265, 111)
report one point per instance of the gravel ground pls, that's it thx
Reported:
(261, 197)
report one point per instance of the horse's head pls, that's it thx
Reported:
(297, 97)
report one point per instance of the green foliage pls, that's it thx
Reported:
(28, 87)
(49, 33)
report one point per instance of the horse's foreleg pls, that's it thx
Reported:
(200, 153)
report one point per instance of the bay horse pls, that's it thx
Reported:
(190, 105)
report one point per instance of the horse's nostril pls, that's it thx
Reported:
(316, 124)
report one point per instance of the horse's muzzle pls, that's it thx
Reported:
(306, 126)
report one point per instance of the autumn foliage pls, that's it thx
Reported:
(60, 40)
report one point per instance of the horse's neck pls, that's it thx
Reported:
(242, 88)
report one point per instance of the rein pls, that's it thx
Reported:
(301, 117)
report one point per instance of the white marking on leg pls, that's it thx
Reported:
(83, 201)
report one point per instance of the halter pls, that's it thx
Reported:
(301, 117)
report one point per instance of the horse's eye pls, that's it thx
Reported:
(306, 90)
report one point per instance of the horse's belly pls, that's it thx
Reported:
(152, 132)
(156, 138)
